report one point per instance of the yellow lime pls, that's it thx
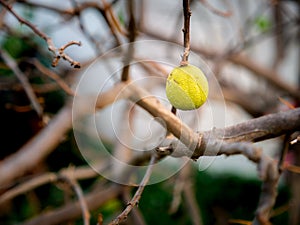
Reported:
(187, 87)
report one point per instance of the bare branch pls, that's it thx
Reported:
(49, 137)
(136, 216)
(131, 38)
(214, 10)
(53, 76)
(295, 141)
(27, 186)
(41, 145)
(24, 81)
(186, 32)
(134, 201)
(68, 176)
(48, 40)
(184, 186)
(79, 173)
(268, 74)
(36, 149)
(190, 199)
(62, 54)
(268, 172)
(71, 211)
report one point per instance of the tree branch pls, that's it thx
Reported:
(267, 169)
(134, 201)
(48, 40)
(267, 74)
(24, 81)
(72, 210)
(41, 145)
(214, 10)
(46, 140)
(186, 31)
(68, 176)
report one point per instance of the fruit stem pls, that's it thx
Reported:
(173, 110)
(186, 32)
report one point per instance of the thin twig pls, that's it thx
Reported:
(152, 67)
(214, 10)
(283, 153)
(48, 40)
(268, 172)
(268, 74)
(79, 173)
(186, 32)
(134, 201)
(296, 140)
(292, 168)
(279, 38)
(24, 81)
(62, 54)
(77, 12)
(181, 181)
(69, 178)
(53, 76)
(137, 216)
(131, 37)
(193, 207)
(27, 186)
(111, 16)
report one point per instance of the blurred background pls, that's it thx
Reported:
(249, 51)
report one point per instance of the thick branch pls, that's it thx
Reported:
(72, 210)
(45, 142)
(41, 145)
(36, 149)
(254, 130)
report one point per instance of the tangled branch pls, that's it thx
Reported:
(58, 53)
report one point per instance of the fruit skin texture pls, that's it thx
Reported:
(187, 87)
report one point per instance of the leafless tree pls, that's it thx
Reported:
(271, 100)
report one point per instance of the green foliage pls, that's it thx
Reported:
(15, 46)
(155, 203)
(263, 23)
(121, 17)
(224, 196)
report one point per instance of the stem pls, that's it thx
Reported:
(186, 32)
